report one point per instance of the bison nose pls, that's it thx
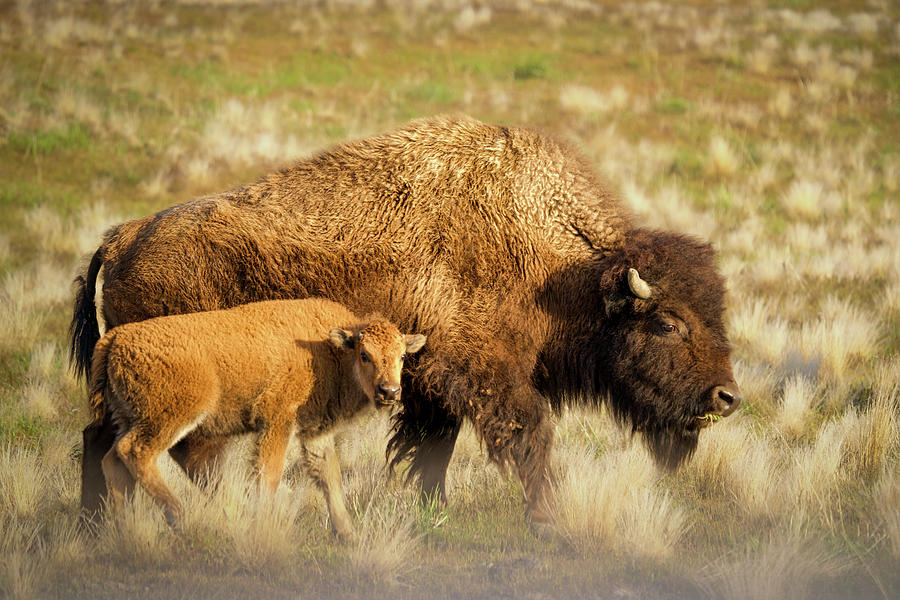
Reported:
(388, 392)
(726, 398)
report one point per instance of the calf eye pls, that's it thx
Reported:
(402, 357)
(364, 357)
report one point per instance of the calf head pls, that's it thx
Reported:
(666, 357)
(379, 351)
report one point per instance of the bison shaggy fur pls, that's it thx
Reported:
(499, 243)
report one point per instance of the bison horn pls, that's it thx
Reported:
(638, 286)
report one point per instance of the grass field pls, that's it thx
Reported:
(771, 129)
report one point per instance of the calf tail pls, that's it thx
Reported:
(84, 330)
(99, 379)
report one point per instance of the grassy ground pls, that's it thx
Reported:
(769, 128)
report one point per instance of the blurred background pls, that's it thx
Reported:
(770, 128)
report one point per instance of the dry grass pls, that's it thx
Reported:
(387, 545)
(886, 496)
(789, 568)
(22, 480)
(768, 132)
(20, 572)
(137, 535)
(613, 502)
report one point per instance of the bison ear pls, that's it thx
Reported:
(341, 338)
(414, 343)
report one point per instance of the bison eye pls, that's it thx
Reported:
(402, 357)
(668, 328)
(364, 357)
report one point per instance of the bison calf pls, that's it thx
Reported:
(274, 368)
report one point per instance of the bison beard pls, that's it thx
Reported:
(499, 244)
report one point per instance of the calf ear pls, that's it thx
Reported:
(414, 343)
(341, 338)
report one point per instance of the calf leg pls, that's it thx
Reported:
(119, 481)
(320, 463)
(270, 450)
(140, 455)
(198, 456)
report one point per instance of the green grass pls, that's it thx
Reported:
(70, 137)
(674, 106)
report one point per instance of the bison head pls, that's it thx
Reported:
(661, 346)
(643, 327)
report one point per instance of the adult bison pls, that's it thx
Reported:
(501, 245)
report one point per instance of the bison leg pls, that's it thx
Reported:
(98, 438)
(320, 464)
(430, 460)
(530, 452)
(511, 418)
(425, 434)
(198, 456)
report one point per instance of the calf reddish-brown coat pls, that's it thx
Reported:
(276, 367)
(494, 241)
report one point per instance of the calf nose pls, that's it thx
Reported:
(726, 398)
(389, 392)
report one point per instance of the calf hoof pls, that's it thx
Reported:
(345, 534)
(539, 514)
(544, 531)
(175, 521)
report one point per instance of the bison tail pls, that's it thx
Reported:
(99, 379)
(84, 330)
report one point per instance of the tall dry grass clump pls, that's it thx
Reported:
(264, 534)
(136, 534)
(361, 450)
(39, 534)
(723, 161)
(842, 335)
(755, 479)
(792, 567)
(22, 549)
(387, 543)
(813, 480)
(886, 506)
(254, 528)
(799, 399)
(736, 467)
(587, 100)
(22, 481)
(612, 503)
(710, 469)
(873, 436)
(20, 321)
